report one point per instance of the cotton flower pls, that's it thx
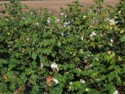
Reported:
(116, 92)
(55, 81)
(54, 67)
(82, 81)
(93, 34)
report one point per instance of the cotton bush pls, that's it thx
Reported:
(79, 52)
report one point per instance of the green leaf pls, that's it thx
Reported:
(110, 88)
(122, 39)
(93, 91)
(47, 51)
(35, 90)
(34, 55)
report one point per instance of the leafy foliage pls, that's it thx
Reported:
(81, 52)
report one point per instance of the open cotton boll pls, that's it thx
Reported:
(82, 81)
(57, 20)
(84, 16)
(48, 20)
(112, 22)
(55, 81)
(82, 37)
(61, 14)
(54, 67)
(93, 34)
(41, 65)
(62, 33)
(111, 40)
(36, 23)
(66, 23)
(116, 92)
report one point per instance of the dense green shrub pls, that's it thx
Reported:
(81, 52)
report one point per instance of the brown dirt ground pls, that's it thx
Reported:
(55, 5)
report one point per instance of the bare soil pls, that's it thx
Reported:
(55, 5)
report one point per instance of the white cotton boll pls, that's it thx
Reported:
(57, 20)
(96, 59)
(31, 13)
(82, 37)
(41, 65)
(50, 12)
(112, 22)
(23, 18)
(79, 69)
(111, 40)
(37, 23)
(91, 26)
(48, 20)
(87, 89)
(84, 16)
(93, 34)
(66, 24)
(82, 81)
(55, 81)
(54, 67)
(88, 66)
(97, 79)
(65, 16)
(62, 33)
(61, 14)
(70, 88)
(70, 83)
(116, 92)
